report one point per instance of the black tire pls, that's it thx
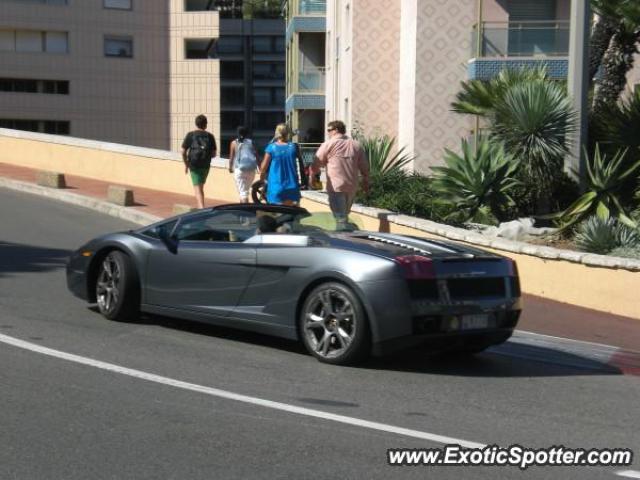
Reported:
(259, 192)
(333, 325)
(118, 288)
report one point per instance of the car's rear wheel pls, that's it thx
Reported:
(333, 325)
(117, 287)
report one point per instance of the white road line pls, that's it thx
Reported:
(628, 473)
(534, 334)
(235, 396)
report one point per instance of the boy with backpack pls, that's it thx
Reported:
(243, 163)
(198, 148)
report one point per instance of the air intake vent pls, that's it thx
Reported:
(398, 244)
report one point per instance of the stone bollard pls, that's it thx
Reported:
(120, 195)
(45, 178)
(180, 208)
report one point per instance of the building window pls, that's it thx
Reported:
(264, 44)
(198, 6)
(118, 4)
(118, 47)
(33, 41)
(268, 96)
(266, 120)
(56, 42)
(230, 45)
(231, 120)
(34, 86)
(268, 71)
(232, 96)
(199, 48)
(44, 2)
(57, 127)
(232, 70)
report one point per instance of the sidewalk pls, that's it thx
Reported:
(149, 201)
(539, 315)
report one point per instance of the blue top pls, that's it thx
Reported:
(282, 180)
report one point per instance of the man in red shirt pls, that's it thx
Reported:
(345, 161)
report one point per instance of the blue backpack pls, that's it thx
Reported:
(245, 156)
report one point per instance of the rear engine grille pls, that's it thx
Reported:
(471, 288)
(423, 289)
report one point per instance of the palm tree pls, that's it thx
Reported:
(617, 60)
(531, 115)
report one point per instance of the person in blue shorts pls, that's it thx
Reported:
(279, 169)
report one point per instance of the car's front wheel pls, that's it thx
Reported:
(117, 287)
(333, 325)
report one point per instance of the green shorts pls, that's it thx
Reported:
(199, 175)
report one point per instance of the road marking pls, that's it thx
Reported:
(628, 473)
(534, 334)
(215, 392)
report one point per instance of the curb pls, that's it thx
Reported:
(124, 213)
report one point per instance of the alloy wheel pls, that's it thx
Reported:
(108, 285)
(330, 323)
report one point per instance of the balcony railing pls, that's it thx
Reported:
(521, 39)
(311, 80)
(308, 152)
(312, 7)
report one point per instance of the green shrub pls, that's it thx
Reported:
(626, 252)
(597, 235)
(479, 179)
(381, 156)
(605, 179)
(532, 116)
(402, 193)
(604, 235)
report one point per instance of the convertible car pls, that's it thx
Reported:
(283, 271)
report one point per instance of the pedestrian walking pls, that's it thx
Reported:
(198, 148)
(279, 169)
(243, 163)
(345, 161)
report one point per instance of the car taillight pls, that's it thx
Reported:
(512, 268)
(416, 266)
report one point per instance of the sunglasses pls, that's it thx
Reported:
(330, 129)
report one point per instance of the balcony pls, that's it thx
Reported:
(311, 80)
(518, 45)
(312, 7)
(521, 39)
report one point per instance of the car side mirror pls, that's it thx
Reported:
(169, 239)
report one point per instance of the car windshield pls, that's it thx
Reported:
(231, 225)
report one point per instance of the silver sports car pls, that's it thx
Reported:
(283, 271)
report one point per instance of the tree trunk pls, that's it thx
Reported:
(616, 63)
(601, 35)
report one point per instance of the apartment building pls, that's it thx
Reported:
(125, 71)
(395, 66)
(252, 77)
(306, 72)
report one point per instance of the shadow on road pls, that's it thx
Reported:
(16, 258)
(508, 360)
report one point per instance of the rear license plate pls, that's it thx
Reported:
(474, 322)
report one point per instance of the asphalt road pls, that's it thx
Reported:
(60, 419)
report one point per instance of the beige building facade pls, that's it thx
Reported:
(395, 66)
(126, 71)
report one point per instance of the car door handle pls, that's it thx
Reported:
(246, 261)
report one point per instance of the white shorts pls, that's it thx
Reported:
(244, 180)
